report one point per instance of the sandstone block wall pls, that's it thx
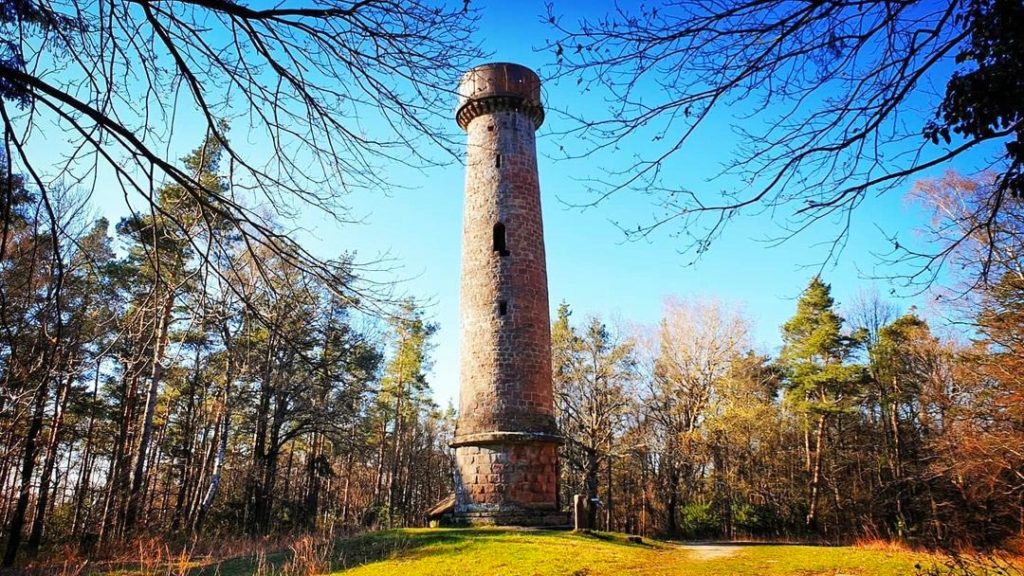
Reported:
(505, 367)
(506, 437)
(500, 474)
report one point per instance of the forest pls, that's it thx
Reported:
(141, 393)
(194, 373)
(157, 381)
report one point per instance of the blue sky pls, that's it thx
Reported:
(590, 265)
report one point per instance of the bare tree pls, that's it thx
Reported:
(692, 353)
(826, 98)
(331, 91)
(594, 373)
(979, 232)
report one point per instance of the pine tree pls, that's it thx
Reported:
(162, 251)
(404, 391)
(821, 381)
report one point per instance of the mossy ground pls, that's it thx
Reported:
(492, 552)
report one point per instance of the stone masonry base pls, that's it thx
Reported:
(508, 484)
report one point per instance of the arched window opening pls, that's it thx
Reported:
(499, 240)
(502, 307)
(497, 160)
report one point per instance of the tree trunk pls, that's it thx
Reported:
(346, 495)
(608, 503)
(671, 509)
(312, 496)
(60, 404)
(381, 451)
(591, 485)
(27, 467)
(117, 476)
(392, 486)
(807, 447)
(156, 375)
(82, 486)
(812, 505)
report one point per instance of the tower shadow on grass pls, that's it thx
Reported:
(379, 546)
(408, 544)
(613, 538)
(375, 547)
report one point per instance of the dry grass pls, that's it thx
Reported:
(309, 556)
(153, 556)
(976, 564)
(509, 552)
(882, 545)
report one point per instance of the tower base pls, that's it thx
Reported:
(507, 479)
(527, 518)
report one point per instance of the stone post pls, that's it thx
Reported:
(580, 513)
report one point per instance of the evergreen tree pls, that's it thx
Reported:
(821, 380)
(162, 247)
(404, 394)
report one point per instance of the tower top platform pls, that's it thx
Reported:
(499, 86)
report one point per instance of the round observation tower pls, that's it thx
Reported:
(506, 439)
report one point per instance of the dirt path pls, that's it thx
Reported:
(710, 551)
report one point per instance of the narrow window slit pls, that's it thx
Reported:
(500, 245)
(502, 307)
(497, 160)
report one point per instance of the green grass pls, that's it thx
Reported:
(489, 552)
(510, 552)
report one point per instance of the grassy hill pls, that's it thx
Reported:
(492, 552)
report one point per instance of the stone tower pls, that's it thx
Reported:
(506, 440)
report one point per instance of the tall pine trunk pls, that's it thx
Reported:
(28, 462)
(156, 375)
(82, 484)
(815, 484)
(42, 503)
